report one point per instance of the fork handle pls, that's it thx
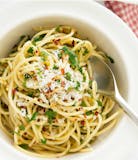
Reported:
(125, 106)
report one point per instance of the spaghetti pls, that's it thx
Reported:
(49, 103)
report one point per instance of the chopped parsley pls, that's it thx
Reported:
(80, 69)
(33, 117)
(22, 127)
(30, 94)
(84, 78)
(30, 50)
(51, 115)
(89, 113)
(57, 29)
(22, 37)
(90, 83)
(68, 76)
(99, 103)
(24, 83)
(74, 104)
(27, 76)
(83, 104)
(85, 51)
(72, 56)
(16, 133)
(55, 67)
(81, 141)
(60, 55)
(110, 58)
(39, 72)
(44, 55)
(24, 146)
(58, 80)
(15, 47)
(38, 38)
(77, 85)
(89, 91)
(43, 141)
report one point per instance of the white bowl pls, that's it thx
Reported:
(90, 28)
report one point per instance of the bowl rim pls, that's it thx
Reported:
(106, 11)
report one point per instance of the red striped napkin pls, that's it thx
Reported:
(127, 12)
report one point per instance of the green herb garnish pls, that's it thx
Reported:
(58, 80)
(22, 37)
(39, 72)
(27, 76)
(110, 58)
(81, 141)
(55, 67)
(30, 50)
(24, 83)
(24, 146)
(80, 69)
(44, 55)
(22, 127)
(17, 133)
(72, 56)
(84, 78)
(99, 103)
(85, 51)
(83, 104)
(59, 55)
(43, 141)
(74, 104)
(38, 38)
(30, 94)
(90, 83)
(89, 113)
(33, 117)
(51, 115)
(89, 91)
(57, 29)
(68, 76)
(77, 85)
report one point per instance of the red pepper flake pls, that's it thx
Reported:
(40, 100)
(65, 100)
(24, 107)
(14, 91)
(47, 94)
(49, 84)
(96, 113)
(37, 53)
(44, 129)
(72, 98)
(62, 71)
(53, 78)
(56, 41)
(46, 67)
(79, 109)
(82, 123)
(62, 84)
(38, 120)
(73, 43)
(55, 120)
(35, 77)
